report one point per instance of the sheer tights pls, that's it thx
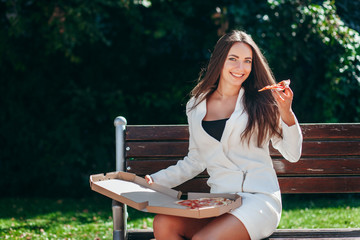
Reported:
(225, 226)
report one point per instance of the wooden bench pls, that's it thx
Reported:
(330, 163)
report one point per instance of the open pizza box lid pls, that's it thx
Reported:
(134, 191)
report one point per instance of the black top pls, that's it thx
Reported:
(215, 128)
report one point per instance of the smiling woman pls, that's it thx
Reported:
(235, 153)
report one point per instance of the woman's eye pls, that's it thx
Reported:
(232, 59)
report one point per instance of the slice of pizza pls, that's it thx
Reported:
(204, 202)
(278, 86)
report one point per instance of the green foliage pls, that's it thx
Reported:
(342, 73)
(68, 68)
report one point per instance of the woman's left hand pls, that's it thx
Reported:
(149, 179)
(284, 101)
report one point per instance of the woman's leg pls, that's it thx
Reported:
(177, 228)
(225, 226)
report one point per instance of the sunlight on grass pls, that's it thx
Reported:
(55, 219)
(58, 226)
(91, 218)
(321, 211)
(321, 218)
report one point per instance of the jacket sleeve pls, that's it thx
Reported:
(290, 145)
(186, 168)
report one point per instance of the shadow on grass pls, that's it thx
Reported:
(23, 208)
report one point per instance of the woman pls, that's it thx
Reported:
(231, 125)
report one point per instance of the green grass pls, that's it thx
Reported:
(40, 218)
(321, 211)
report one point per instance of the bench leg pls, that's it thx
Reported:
(119, 220)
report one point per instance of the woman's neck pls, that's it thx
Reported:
(227, 91)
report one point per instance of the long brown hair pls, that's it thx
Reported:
(261, 107)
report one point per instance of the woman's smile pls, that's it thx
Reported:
(237, 75)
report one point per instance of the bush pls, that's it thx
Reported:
(69, 68)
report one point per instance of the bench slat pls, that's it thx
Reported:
(331, 131)
(180, 149)
(180, 132)
(340, 233)
(318, 166)
(326, 148)
(158, 132)
(305, 166)
(338, 184)
(156, 149)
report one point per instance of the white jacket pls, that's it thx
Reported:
(234, 166)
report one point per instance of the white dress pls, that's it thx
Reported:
(235, 166)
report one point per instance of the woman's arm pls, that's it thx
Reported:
(290, 145)
(186, 168)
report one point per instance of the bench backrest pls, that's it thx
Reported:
(330, 161)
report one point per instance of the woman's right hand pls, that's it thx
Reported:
(149, 179)
(284, 101)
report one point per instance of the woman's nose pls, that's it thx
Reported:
(240, 65)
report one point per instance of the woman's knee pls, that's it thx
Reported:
(198, 237)
(160, 222)
(165, 226)
(223, 227)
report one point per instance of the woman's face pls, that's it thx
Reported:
(237, 65)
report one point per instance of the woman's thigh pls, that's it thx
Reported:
(174, 227)
(225, 226)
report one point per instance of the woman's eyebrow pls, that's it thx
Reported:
(233, 55)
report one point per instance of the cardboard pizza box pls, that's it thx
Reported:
(134, 191)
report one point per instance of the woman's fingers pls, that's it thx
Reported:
(289, 93)
(286, 95)
(284, 102)
(149, 179)
(277, 95)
